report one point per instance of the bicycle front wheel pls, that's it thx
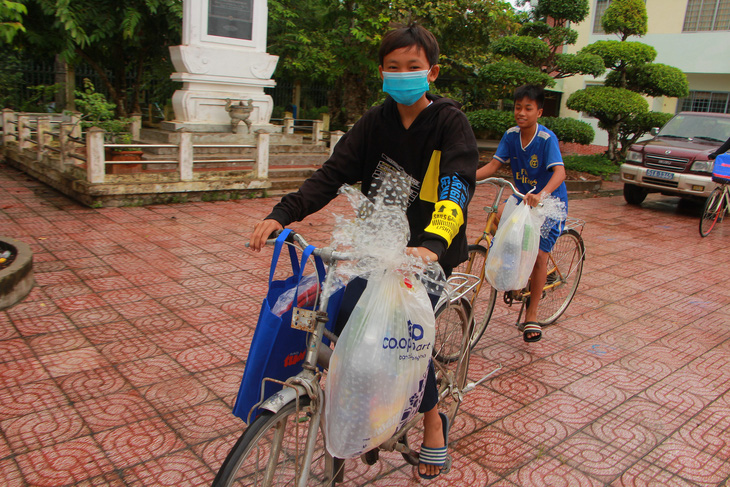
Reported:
(565, 267)
(271, 451)
(481, 300)
(714, 207)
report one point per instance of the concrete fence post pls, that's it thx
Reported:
(65, 145)
(136, 126)
(261, 169)
(23, 132)
(325, 122)
(316, 131)
(76, 124)
(43, 136)
(288, 126)
(334, 138)
(8, 125)
(95, 157)
(185, 155)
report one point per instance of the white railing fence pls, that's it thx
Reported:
(58, 140)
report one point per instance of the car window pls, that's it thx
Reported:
(692, 126)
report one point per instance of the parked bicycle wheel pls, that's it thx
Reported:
(565, 267)
(481, 300)
(271, 451)
(452, 344)
(713, 211)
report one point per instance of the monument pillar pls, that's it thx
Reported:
(222, 57)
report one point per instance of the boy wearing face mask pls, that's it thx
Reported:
(430, 139)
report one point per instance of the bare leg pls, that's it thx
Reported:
(537, 283)
(433, 437)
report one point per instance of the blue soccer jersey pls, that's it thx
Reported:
(531, 164)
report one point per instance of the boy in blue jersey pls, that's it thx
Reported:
(534, 156)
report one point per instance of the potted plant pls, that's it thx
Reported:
(98, 112)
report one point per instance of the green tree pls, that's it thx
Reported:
(337, 42)
(11, 17)
(632, 74)
(127, 39)
(539, 43)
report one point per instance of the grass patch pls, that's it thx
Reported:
(596, 164)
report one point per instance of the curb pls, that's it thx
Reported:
(16, 280)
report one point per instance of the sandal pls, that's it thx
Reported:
(436, 456)
(530, 328)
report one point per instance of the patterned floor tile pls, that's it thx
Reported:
(138, 442)
(64, 463)
(121, 367)
(93, 383)
(33, 396)
(687, 462)
(553, 472)
(46, 428)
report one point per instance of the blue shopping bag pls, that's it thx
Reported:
(721, 169)
(277, 350)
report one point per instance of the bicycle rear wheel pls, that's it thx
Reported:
(565, 267)
(452, 341)
(714, 207)
(271, 451)
(481, 300)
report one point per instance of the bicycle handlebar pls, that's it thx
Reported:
(503, 183)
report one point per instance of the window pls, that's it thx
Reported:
(706, 101)
(601, 6)
(705, 15)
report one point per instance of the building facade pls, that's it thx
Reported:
(692, 35)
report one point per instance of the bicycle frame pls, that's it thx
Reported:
(307, 381)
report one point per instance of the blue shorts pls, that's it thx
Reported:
(546, 243)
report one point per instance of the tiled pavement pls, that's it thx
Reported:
(121, 366)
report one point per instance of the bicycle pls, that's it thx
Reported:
(717, 204)
(565, 267)
(284, 445)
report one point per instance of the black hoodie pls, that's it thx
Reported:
(440, 138)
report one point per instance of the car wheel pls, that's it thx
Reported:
(634, 195)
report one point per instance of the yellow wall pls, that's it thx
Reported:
(665, 16)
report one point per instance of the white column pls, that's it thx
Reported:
(185, 154)
(288, 126)
(261, 169)
(317, 131)
(334, 139)
(8, 125)
(23, 132)
(95, 158)
(43, 136)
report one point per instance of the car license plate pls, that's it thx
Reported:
(653, 173)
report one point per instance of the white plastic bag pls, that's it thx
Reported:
(514, 248)
(378, 368)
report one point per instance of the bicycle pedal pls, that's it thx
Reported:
(370, 457)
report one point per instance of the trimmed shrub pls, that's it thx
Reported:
(490, 124)
(569, 129)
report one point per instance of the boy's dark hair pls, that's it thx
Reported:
(533, 92)
(412, 35)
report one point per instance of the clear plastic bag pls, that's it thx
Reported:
(378, 368)
(306, 297)
(514, 248)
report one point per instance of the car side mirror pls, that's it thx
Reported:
(654, 131)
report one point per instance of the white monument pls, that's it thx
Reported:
(222, 57)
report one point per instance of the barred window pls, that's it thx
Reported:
(706, 101)
(601, 6)
(706, 15)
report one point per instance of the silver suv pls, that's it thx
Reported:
(674, 162)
